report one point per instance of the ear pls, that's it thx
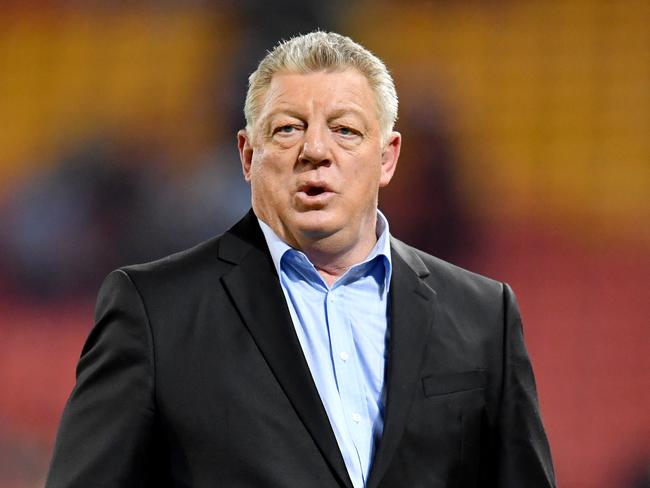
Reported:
(389, 158)
(245, 146)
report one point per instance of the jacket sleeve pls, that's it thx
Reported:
(105, 435)
(524, 458)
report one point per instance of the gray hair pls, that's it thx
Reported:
(319, 51)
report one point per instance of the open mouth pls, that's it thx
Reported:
(314, 195)
(312, 191)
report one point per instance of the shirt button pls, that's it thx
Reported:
(356, 418)
(344, 356)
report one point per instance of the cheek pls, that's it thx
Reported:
(269, 173)
(365, 171)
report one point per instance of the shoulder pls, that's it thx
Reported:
(468, 306)
(449, 281)
(168, 290)
(185, 275)
(188, 264)
(195, 273)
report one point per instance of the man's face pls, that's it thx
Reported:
(316, 159)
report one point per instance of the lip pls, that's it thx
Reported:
(314, 193)
(308, 186)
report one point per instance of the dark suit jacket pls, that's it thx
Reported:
(193, 376)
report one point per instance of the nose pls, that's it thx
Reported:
(315, 148)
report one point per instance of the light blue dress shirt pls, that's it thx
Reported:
(343, 333)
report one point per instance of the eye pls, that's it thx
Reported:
(346, 131)
(284, 129)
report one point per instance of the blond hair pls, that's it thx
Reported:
(318, 51)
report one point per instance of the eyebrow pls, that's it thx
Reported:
(283, 111)
(343, 111)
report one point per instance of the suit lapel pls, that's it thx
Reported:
(256, 292)
(412, 307)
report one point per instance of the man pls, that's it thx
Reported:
(306, 347)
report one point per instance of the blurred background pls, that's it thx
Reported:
(526, 157)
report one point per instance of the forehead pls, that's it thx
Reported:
(345, 90)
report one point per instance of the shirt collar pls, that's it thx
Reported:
(278, 248)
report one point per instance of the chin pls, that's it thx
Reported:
(317, 223)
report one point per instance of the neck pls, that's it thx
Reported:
(332, 265)
(334, 254)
